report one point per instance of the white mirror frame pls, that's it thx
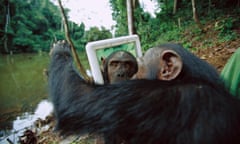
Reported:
(91, 48)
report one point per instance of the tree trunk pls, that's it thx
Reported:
(6, 28)
(131, 28)
(175, 6)
(209, 6)
(166, 3)
(195, 15)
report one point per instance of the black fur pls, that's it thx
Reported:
(189, 111)
(193, 67)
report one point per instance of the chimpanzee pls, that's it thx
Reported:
(119, 66)
(192, 108)
(171, 61)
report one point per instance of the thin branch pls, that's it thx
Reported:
(75, 56)
(195, 16)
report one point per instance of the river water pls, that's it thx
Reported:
(23, 92)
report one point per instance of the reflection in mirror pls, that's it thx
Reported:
(103, 53)
(101, 49)
(119, 65)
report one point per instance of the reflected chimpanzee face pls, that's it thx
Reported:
(121, 66)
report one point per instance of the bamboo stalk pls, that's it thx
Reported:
(75, 56)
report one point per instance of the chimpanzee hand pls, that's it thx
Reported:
(60, 48)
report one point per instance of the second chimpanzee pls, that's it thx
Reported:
(119, 66)
(171, 61)
(187, 109)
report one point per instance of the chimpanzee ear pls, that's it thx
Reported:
(170, 65)
(103, 60)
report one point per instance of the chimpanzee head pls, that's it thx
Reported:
(158, 63)
(119, 66)
(172, 61)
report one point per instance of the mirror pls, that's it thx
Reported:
(97, 49)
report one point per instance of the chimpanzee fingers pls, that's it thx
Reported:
(60, 47)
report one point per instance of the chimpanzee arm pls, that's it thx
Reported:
(65, 84)
(79, 107)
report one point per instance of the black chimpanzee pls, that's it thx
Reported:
(119, 66)
(171, 61)
(192, 108)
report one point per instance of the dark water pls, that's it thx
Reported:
(23, 91)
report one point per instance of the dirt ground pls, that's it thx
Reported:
(211, 48)
(218, 54)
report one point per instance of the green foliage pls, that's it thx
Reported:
(77, 35)
(167, 27)
(94, 34)
(31, 24)
(119, 14)
(103, 53)
(187, 45)
(225, 28)
(34, 25)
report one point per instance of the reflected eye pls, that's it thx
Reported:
(128, 65)
(114, 64)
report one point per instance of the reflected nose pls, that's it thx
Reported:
(121, 75)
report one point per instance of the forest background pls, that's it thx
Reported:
(209, 28)
(31, 26)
